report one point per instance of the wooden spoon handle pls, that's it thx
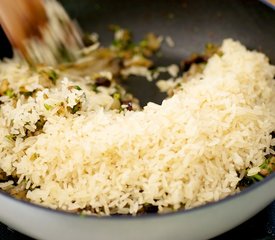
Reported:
(22, 19)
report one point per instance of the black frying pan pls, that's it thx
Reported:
(191, 24)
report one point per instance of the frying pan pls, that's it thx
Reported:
(191, 24)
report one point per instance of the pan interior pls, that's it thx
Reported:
(191, 24)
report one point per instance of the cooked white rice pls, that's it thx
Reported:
(186, 152)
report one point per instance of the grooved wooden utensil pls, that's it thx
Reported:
(21, 20)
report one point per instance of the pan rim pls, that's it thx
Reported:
(142, 216)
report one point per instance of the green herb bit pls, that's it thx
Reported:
(268, 166)
(258, 177)
(77, 88)
(118, 44)
(11, 137)
(64, 54)
(10, 93)
(27, 94)
(143, 43)
(93, 87)
(48, 107)
(121, 109)
(266, 163)
(124, 42)
(53, 76)
(40, 123)
(75, 109)
(117, 96)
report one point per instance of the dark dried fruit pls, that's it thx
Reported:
(149, 208)
(195, 59)
(102, 81)
(129, 105)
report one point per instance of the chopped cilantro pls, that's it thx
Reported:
(53, 76)
(77, 88)
(143, 43)
(257, 177)
(11, 137)
(117, 96)
(9, 93)
(75, 109)
(48, 107)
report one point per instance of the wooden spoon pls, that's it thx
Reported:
(21, 20)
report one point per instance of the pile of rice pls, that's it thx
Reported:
(192, 149)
